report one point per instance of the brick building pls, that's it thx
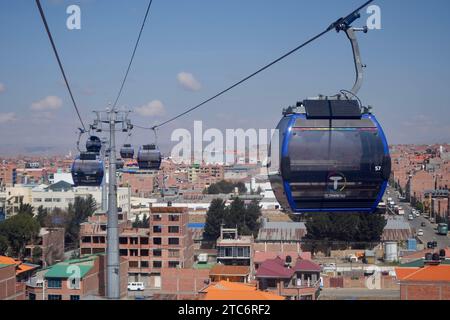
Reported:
(294, 279)
(430, 282)
(183, 283)
(58, 281)
(166, 243)
(233, 249)
(10, 288)
(51, 243)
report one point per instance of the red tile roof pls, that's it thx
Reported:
(276, 268)
(426, 273)
(306, 265)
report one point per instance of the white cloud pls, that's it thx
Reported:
(152, 109)
(2, 87)
(7, 117)
(188, 81)
(48, 103)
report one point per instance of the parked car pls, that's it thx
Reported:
(420, 232)
(431, 244)
(410, 217)
(423, 224)
(136, 286)
(432, 220)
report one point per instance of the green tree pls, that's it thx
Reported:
(252, 218)
(77, 213)
(137, 222)
(214, 219)
(26, 209)
(37, 255)
(4, 245)
(42, 216)
(225, 187)
(145, 221)
(235, 216)
(345, 227)
(20, 230)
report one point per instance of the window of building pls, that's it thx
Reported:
(98, 250)
(144, 240)
(54, 297)
(37, 200)
(174, 229)
(86, 239)
(133, 252)
(74, 298)
(174, 264)
(133, 240)
(123, 252)
(48, 199)
(31, 296)
(144, 264)
(54, 283)
(157, 241)
(157, 264)
(157, 252)
(174, 217)
(144, 252)
(74, 283)
(157, 229)
(133, 264)
(156, 217)
(85, 251)
(174, 241)
(123, 240)
(173, 253)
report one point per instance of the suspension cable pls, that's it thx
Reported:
(44, 20)
(335, 25)
(132, 55)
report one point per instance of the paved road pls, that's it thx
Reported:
(429, 230)
(359, 294)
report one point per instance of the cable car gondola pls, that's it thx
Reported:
(333, 155)
(94, 145)
(127, 151)
(87, 170)
(149, 157)
(120, 164)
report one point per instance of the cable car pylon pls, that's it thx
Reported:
(107, 121)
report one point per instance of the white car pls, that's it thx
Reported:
(136, 286)
(420, 232)
(410, 217)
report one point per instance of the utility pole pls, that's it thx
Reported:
(104, 186)
(112, 254)
(111, 118)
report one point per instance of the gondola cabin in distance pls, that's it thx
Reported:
(333, 157)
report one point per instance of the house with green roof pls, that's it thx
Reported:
(74, 279)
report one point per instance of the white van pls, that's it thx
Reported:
(136, 286)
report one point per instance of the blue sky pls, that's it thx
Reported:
(217, 42)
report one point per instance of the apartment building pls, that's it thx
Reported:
(295, 280)
(10, 289)
(233, 249)
(76, 279)
(51, 243)
(166, 243)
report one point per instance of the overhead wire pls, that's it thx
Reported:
(333, 26)
(44, 20)
(133, 54)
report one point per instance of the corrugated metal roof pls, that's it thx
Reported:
(282, 231)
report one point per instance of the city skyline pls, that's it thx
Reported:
(178, 67)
